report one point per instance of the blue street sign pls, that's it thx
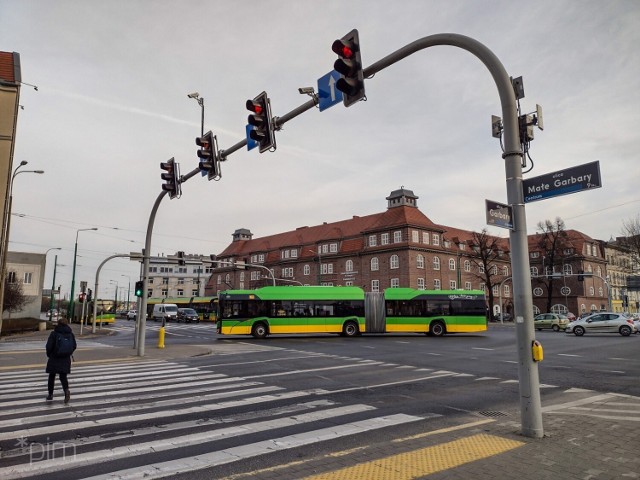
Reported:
(328, 94)
(251, 143)
(562, 182)
(498, 214)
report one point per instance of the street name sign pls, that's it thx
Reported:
(328, 94)
(499, 214)
(562, 182)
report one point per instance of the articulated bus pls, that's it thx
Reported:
(206, 307)
(350, 311)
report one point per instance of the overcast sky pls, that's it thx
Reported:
(113, 78)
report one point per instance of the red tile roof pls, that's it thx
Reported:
(7, 71)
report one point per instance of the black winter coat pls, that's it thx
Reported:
(55, 364)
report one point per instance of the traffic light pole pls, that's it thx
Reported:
(529, 382)
(95, 294)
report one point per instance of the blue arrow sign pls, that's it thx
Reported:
(251, 143)
(328, 94)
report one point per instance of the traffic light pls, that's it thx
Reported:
(181, 258)
(349, 65)
(139, 288)
(89, 295)
(208, 154)
(263, 127)
(81, 298)
(171, 178)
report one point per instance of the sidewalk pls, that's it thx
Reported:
(27, 350)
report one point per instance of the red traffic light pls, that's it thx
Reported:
(255, 107)
(345, 50)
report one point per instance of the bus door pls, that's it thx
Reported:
(376, 321)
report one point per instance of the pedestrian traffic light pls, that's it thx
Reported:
(171, 178)
(263, 130)
(349, 65)
(208, 154)
(139, 288)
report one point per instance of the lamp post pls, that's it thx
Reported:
(115, 304)
(53, 283)
(196, 96)
(319, 264)
(4, 248)
(128, 291)
(73, 274)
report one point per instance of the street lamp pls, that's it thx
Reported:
(4, 247)
(128, 290)
(196, 96)
(53, 283)
(115, 304)
(73, 274)
(319, 263)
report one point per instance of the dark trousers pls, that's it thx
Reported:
(63, 381)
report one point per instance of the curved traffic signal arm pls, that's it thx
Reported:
(209, 156)
(263, 130)
(171, 178)
(349, 65)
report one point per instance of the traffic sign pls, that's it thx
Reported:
(328, 94)
(251, 143)
(499, 214)
(562, 182)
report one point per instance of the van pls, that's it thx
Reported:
(164, 311)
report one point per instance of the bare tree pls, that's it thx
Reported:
(14, 298)
(554, 244)
(489, 251)
(631, 239)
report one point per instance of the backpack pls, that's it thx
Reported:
(63, 346)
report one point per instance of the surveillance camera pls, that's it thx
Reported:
(193, 95)
(306, 90)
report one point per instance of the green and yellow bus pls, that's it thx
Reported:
(206, 307)
(349, 311)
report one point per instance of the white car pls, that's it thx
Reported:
(602, 322)
(131, 315)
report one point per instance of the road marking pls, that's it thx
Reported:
(567, 355)
(481, 348)
(425, 461)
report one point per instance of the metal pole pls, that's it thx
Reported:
(73, 281)
(53, 285)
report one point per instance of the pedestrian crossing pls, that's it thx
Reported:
(125, 420)
(176, 329)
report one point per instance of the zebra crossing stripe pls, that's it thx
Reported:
(101, 456)
(243, 452)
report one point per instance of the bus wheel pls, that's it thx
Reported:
(259, 330)
(437, 329)
(350, 329)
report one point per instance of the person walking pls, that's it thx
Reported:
(60, 347)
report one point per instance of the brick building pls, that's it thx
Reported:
(400, 247)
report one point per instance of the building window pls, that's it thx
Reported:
(467, 285)
(567, 270)
(436, 284)
(395, 282)
(425, 238)
(436, 239)
(373, 240)
(375, 285)
(421, 284)
(306, 270)
(294, 253)
(397, 236)
(325, 248)
(327, 268)
(494, 270)
(28, 278)
(436, 263)
(538, 292)
(384, 239)
(165, 281)
(481, 268)
(534, 254)
(505, 271)
(420, 261)
(180, 292)
(452, 264)
(592, 291)
(287, 272)
(395, 262)
(534, 271)
(165, 292)
(588, 249)
(349, 266)
(333, 248)
(11, 277)
(261, 258)
(195, 293)
(348, 283)
(181, 281)
(374, 264)
(415, 236)
(483, 287)
(599, 271)
(600, 291)
(453, 285)
(507, 291)
(496, 289)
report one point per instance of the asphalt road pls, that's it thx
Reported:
(296, 398)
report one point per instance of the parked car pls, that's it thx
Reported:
(602, 322)
(554, 321)
(187, 315)
(571, 316)
(131, 315)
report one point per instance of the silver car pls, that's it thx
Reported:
(602, 322)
